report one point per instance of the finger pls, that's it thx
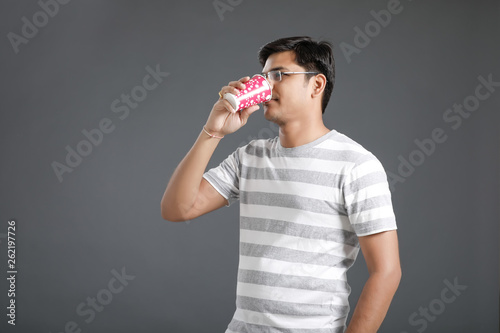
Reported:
(233, 89)
(237, 84)
(227, 105)
(245, 113)
(253, 108)
(244, 79)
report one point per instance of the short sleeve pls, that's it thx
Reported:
(225, 178)
(368, 198)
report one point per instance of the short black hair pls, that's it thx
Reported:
(314, 56)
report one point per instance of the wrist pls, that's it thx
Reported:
(212, 135)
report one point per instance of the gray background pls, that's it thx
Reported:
(105, 214)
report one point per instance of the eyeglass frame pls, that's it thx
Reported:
(266, 75)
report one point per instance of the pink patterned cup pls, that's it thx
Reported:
(257, 90)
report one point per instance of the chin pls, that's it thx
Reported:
(268, 109)
(271, 115)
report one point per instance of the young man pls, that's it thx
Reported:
(309, 200)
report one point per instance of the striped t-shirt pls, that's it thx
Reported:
(301, 212)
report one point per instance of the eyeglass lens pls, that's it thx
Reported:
(273, 75)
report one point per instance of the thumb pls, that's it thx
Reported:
(245, 114)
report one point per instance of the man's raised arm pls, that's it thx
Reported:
(188, 195)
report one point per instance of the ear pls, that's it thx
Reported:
(318, 85)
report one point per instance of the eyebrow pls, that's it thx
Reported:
(278, 68)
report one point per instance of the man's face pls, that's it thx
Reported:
(290, 95)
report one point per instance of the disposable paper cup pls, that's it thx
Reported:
(257, 90)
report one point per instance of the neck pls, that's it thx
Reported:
(300, 132)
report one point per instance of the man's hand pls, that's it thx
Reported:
(223, 119)
(381, 253)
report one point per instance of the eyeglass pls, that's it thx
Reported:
(278, 75)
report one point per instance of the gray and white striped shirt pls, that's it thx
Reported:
(301, 212)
